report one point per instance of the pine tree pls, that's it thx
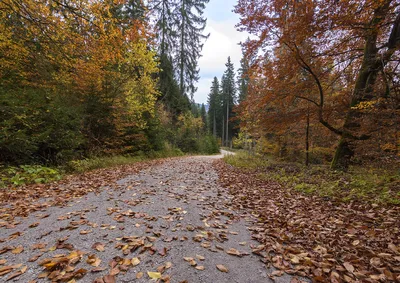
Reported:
(214, 109)
(190, 26)
(228, 89)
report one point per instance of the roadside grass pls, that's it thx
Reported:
(358, 184)
(31, 174)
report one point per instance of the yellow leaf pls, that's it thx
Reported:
(154, 275)
(135, 261)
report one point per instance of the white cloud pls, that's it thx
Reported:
(223, 42)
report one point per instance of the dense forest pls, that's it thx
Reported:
(88, 78)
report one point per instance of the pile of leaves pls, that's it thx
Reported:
(307, 235)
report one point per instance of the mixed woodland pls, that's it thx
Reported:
(318, 82)
(91, 78)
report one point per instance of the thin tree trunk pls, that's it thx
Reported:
(181, 84)
(214, 126)
(223, 131)
(307, 138)
(227, 121)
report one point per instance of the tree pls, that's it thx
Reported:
(190, 26)
(203, 115)
(85, 76)
(165, 14)
(228, 95)
(163, 10)
(345, 57)
(214, 109)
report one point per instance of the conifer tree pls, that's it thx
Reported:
(214, 109)
(190, 26)
(228, 88)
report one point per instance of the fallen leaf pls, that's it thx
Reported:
(98, 246)
(222, 268)
(135, 261)
(109, 279)
(154, 275)
(139, 275)
(233, 251)
(18, 250)
(200, 257)
(349, 267)
(200, 267)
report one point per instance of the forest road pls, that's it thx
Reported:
(173, 217)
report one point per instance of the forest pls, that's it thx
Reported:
(81, 79)
(85, 79)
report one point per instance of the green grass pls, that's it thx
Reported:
(359, 183)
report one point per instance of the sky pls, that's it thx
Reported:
(223, 42)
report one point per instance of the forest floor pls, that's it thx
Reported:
(190, 219)
(167, 220)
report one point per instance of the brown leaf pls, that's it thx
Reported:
(98, 246)
(222, 268)
(12, 276)
(139, 275)
(18, 250)
(234, 252)
(109, 279)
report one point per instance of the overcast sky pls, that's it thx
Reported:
(223, 42)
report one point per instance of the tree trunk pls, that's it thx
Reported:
(227, 122)
(214, 126)
(372, 63)
(223, 131)
(181, 83)
(307, 138)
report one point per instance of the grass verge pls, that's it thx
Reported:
(358, 184)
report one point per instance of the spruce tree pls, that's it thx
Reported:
(190, 26)
(165, 20)
(214, 109)
(203, 115)
(228, 88)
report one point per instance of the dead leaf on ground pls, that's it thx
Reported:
(222, 268)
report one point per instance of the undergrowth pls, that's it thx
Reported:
(30, 174)
(358, 184)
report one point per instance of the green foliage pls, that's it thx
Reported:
(38, 126)
(92, 163)
(358, 184)
(208, 145)
(27, 174)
